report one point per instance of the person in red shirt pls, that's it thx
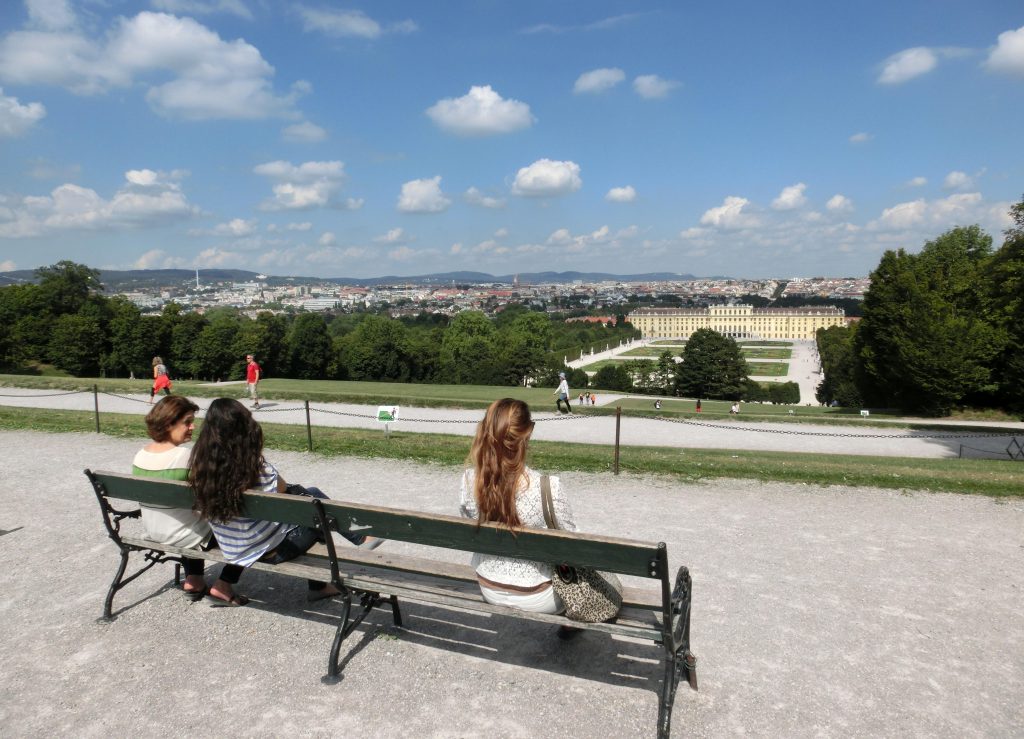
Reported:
(252, 379)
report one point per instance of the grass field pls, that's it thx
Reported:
(755, 342)
(646, 352)
(985, 477)
(768, 369)
(669, 342)
(760, 353)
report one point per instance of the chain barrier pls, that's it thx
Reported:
(754, 428)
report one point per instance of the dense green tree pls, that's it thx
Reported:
(213, 356)
(923, 344)
(76, 344)
(613, 377)
(185, 332)
(378, 350)
(309, 347)
(469, 351)
(838, 364)
(712, 367)
(643, 373)
(784, 393)
(266, 339)
(525, 343)
(132, 347)
(1004, 276)
(65, 286)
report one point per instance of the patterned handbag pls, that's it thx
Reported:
(588, 595)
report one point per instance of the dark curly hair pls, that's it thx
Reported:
(166, 413)
(226, 459)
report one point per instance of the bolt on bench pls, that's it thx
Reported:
(374, 579)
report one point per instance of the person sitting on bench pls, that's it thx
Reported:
(170, 424)
(500, 488)
(227, 460)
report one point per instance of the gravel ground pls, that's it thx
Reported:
(817, 612)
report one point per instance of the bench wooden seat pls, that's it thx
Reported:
(370, 579)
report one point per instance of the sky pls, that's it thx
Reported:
(334, 139)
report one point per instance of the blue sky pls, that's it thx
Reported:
(319, 138)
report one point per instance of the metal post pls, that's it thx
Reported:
(96, 405)
(309, 430)
(618, 423)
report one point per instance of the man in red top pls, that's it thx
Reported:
(252, 379)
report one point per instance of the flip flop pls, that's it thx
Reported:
(195, 595)
(236, 600)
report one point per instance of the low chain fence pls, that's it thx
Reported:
(1014, 451)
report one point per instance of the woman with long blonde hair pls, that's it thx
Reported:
(499, 487)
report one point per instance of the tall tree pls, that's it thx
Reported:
(76, 344)
(309, 347)
(924, 344)
(468, 351)
(214, 355)
(712, 367)
(378, 350)
(66, 285)
(525, 342)
(1005, 279)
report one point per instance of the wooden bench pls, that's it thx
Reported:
(371, 579)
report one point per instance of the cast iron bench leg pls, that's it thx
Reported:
(115, 585)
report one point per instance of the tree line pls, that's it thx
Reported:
(65, 320)
(941, 328)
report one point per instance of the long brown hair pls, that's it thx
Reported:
(226, 459)
(498, 456)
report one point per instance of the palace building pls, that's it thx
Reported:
(736, 321)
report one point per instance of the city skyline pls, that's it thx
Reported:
(402, 139)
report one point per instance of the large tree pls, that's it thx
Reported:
(378, 350)
(469, 351)
(712, 367)
(309, 347)
(1005, 301)
(924, 344)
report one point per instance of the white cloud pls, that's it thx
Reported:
(308, 185)
(349, 23)
(15, 118)
(956, 209)
(236, 227)
(625, 194)
(598, 80)
(473, 196)
(158, 259)
(729, 214)
(54, 15)
(906, 65)
(839, 204)
(501, 233)
(598, 25)
(791, 197)
(8, 265)
(70, 207)
(204, 7)
(1008, 54)
(652, 87)
(480, 112)
(402, 254)
(393, 236)
(957, 180)
(917, 182)
(327, 238)
(303, 133)
(860, 137)
(546, 178)
(209, 77)
(423, 196)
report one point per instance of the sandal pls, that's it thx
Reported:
(195, 595)
(236, 600)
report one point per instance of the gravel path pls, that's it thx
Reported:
(724, 433)
(817, 612)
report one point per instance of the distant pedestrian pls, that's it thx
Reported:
(161, 380)
(657, 404)
(735, 409)
(252, 379)
(698, 405)
(581, 400)
(562, 394)
(593, 398)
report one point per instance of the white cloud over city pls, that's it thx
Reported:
(480, 112)
(547, 178)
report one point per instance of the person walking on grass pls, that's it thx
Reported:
(252, 379)
(161, 380)
(562, 394)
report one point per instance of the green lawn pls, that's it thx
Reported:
(764, 343)
(644, 351)
(768, 369)
(669, 342)
(986, 477)
(758, 353)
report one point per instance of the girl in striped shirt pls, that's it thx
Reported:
(227, 460)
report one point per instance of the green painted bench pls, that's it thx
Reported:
(369, 579)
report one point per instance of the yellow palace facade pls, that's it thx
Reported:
(736, 321)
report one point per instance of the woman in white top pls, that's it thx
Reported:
(500, 488)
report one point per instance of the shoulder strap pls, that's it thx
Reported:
(547, 503)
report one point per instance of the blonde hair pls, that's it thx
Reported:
(157, 360)
(498, 457)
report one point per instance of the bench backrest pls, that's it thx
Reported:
(623, 556)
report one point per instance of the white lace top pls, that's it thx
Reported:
(506, 570)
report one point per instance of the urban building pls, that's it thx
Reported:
(736, 321)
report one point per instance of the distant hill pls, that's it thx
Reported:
(137, 279)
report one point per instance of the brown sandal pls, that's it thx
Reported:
(235, 602)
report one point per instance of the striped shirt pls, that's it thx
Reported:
(245, 540)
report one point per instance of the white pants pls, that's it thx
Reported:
(543, 602)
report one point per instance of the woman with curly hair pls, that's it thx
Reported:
(227, 460)
(499, 487)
